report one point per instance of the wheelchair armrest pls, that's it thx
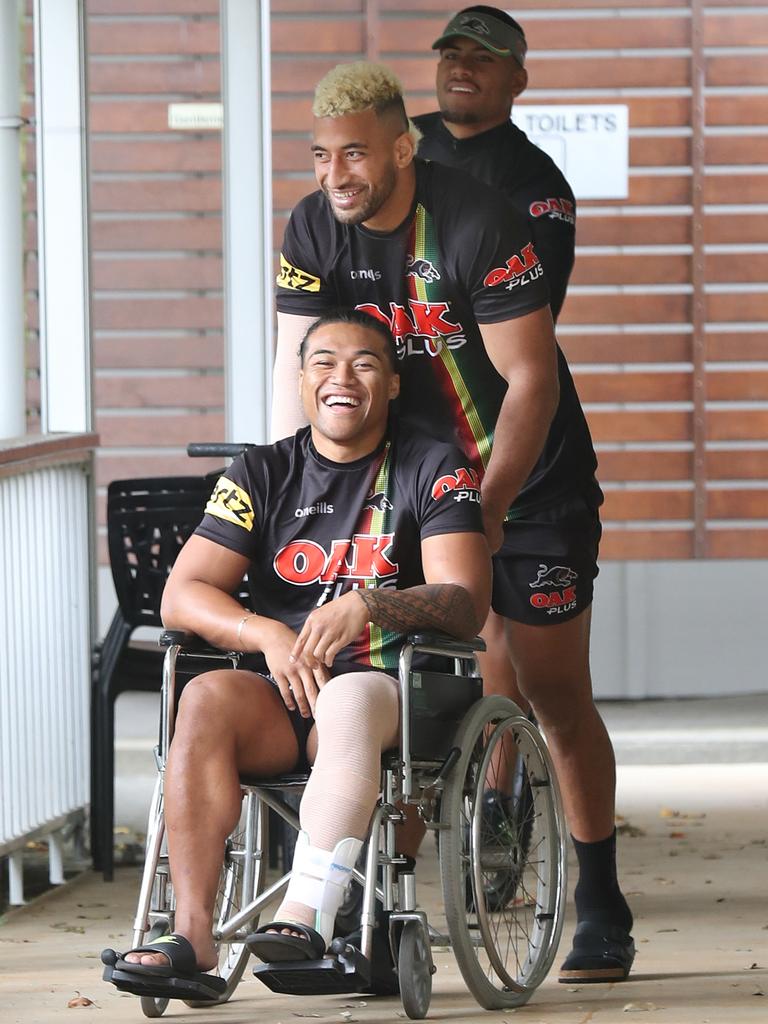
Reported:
(448, 644)
(190, 642)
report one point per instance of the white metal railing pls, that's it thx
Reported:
(46, 569)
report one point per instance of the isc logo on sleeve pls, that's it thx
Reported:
(231, 503)
(298, 280)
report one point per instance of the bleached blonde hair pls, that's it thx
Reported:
(362, 85)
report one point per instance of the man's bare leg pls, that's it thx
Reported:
(552, 668)
(229, 722)
(496, 666)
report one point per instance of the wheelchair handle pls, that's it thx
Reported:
(217, 449)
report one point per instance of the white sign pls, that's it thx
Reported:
(195, 117)
(590, 145)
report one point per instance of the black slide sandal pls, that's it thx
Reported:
(178, 979)
(273, 948)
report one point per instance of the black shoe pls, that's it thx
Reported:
(600, 953)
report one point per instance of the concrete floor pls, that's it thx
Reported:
(693, 861)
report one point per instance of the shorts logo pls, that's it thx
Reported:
(378, 502)
(231, 503)
(557, 576)
(519, 270)
(556, 602)
(365, 557)
(295, 279)
(556, 209)
(465, 483)
(422, 268)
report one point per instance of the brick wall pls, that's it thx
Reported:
(665, 323)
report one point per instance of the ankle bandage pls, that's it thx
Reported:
(319, 878)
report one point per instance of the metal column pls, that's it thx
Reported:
(62, 212)
(12, 421)
(247, 173)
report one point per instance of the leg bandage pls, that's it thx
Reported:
(357, 717)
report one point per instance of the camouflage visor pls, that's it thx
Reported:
(492, 33)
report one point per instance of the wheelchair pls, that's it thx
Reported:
(503, 875)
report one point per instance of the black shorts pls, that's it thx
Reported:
(544, 571)
(301, 726)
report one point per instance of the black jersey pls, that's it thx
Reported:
(462, 257)
(505, 158)
(315, 529)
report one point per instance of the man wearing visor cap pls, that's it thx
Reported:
(538, 650)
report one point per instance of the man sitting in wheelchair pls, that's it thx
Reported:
(352, 533)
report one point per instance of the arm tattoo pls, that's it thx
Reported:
(446, 607)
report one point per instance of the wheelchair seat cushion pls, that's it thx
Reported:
(271, 947)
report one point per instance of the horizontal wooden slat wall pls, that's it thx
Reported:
(665, 323)
(672, 366)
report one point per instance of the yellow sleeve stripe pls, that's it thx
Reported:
(231, 503)
(297, 280)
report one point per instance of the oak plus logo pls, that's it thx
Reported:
(364, 557)
(555, 209)
(555, 589)
(463, 484)
(518, 272)
(420, 328)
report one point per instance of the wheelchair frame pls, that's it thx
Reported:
(449, 793)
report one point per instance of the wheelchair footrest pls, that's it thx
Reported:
(347, 971)
(160, 987)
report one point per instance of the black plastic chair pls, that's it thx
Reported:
(148, 521)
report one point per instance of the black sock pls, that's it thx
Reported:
(597, 894)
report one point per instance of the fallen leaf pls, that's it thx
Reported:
(660, 930)
(79, 1001)
(754, 967)
(677, 835)
(631, 1007)
(628, 829)
(62, 926)
(305, 1014)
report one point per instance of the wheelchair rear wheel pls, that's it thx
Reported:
(504, 948)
